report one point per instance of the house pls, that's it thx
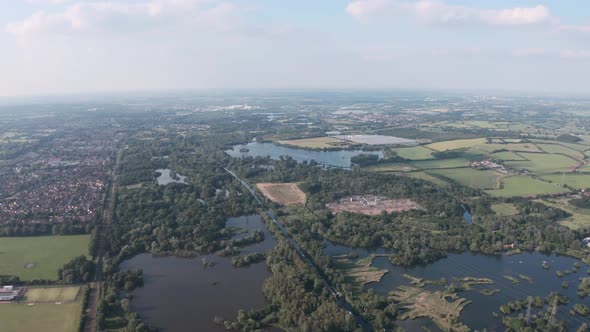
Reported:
(9, 293)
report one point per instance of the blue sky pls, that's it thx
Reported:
(71, 46)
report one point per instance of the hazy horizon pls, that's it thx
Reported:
(55, 47)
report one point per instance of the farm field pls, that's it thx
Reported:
(414, 153)
(316, 143)
(540, 163)
(282, 193)
(50, 294)
(518, 147)
(560, 149)
(456, 144)
(39, 257)
(505, 209)
(46, 317)
(577, 180)
(392, 167)
(469, 177)
(507, 156)
(525, 186)
(580, 217)
(428, 177)
(442, 163)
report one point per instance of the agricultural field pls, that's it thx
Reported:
(39, 257)
(282, 193)
(391, 167)
(456, 144)
(371, 205)
(470, 177)
(515, 147)
(316, 143)
(428, 177)
(442, 163)
(580, 218)
(504, 209)
(414, 153)
(540, 163)
(575, 180)
(46, 317)
(507, 156)
(560, 149)
(525, 186)
(50, 294)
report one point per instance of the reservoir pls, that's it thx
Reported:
(334, 158)
(180, 294)
(165, 177)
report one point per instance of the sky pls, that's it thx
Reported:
(85, 46)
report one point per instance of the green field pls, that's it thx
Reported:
(469, 177)
(46, 317)
(414, 153)
(580, 218)
(519, 147)
(441, 163)
(391, 167)
(541, 163)
(525, 186)
(456, 144)
(39, 257)
(577, 180)
(506, 155)
(560, 149)
(427, 177)
(505, 209)
(50, 294)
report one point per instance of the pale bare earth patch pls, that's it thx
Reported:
(282, 193)
(372, 205)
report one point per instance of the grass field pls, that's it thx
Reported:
(50, 294)
(282, 193)
(39, 257)
(580, 217)
(414, 153)
(577, 180)
(392, 167)
(428, 177)
(507, 156)
(518, 147)
(560, 149)
(469, 177)
(315, 143)
(46, 317)
(456, 144)
(505, 209)
(541, 163)
(525, 186)
(442, 163)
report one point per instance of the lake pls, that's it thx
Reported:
(477, 315)
(334, 158)
(181, 294)
(165, 177)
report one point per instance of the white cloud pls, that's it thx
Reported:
(438, 12)
(47, 2)
(84, 16)
(575, 28)
(524, 52)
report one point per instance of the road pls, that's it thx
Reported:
(342, 302)
(107, 216)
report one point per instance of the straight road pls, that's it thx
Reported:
(342, 302)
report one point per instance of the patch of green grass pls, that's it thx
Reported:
(560, 149)
(519, 147)
(427, 177)
(542, 163)
(580, 218)
(469, 177)
(391, 167)
(39, 257)
(574, 180)
(507, 156)
(456, 144)
(505, 209)
(525, 186)
(441, 163)
(414, 153)
(46, 317)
